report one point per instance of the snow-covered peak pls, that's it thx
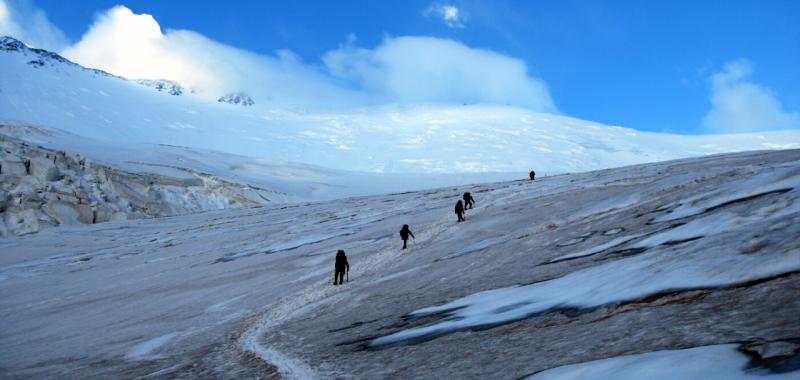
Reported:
(40, 58)
(237, 98)
(11, 44)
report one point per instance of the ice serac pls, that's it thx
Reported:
(41, 187)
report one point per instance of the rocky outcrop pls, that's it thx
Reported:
(41, 57)
(237, 98)
(41, 188)
(163, 85)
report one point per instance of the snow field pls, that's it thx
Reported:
(691, 363)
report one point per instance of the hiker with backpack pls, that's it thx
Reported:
(404, 232)
(468, 201)
(532, 174)
(460, 210)
(341, 267)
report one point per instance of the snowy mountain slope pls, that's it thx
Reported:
(51, 177)
(402, 139)
(710, 263)
(299, 182)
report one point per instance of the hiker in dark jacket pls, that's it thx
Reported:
(404, 232)
(460, 210)
(532, 174)
(341, 267)
(468, 201)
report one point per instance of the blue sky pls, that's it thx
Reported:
(649, 65)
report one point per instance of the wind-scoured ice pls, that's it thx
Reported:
(759, 185)
(658, 269)
(144, 350)
(597, 249)
(472, 248)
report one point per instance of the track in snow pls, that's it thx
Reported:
(300, 302)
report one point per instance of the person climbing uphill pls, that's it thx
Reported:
(341, 267)
(468, 201)
(404, 232)
(532, 174)
(460, 210)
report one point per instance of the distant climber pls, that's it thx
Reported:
(532, 174)
(468, 201)
(341, 267)
(404, 232)
(460, 210)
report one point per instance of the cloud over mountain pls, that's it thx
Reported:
(21, 19)
(400, 70)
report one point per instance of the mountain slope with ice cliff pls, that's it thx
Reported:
(43, 187)
(52, 92)
(683, 267)
(50, 177)
(172, 152)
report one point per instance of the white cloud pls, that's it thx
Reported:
(739, 105)
(405, 70)
(425, 69)
(133, 46)
(448, 13)
(22, 20)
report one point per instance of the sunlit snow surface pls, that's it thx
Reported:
(290, 181)
(688, 364)
(387, 139)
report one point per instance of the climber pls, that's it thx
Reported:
(341, 267)
(468, 201)
(404, 232)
